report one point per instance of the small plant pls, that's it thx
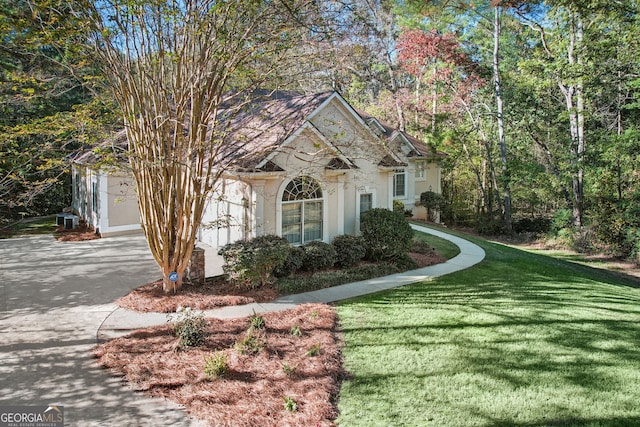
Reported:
(295, 331)
(288, 369)
(314, 351)
(189, 326)
(290, 404)
(216, 366)
(257, 321)
(252, 343)
(314, 314)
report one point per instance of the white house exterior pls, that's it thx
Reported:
(302, 167)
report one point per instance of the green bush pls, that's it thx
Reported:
(398, 206)
(387, 234)
(349, 250)
(253, 342)
(189, 326)
(292, 264)
(318, 256)
(532, 225)
(252, 263)
(421, 247)
(334, 278)
(633, 243)
(216, 366)
(490, 227)
(562, 219)
(405, 262)
(432, 202)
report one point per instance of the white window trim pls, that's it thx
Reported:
(393, 186)
(421, 166)
(364, 190)
(323, 199)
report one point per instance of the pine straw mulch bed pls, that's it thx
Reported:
(253, 391)
(79, 234)
(216, 292)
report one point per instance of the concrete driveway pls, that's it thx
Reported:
(53, 298)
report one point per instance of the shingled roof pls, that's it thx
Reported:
(256, 129)
(262, 125)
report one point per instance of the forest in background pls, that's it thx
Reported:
(536, 104)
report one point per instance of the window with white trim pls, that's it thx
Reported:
(421, 169)
(399, 184)
(302, 211)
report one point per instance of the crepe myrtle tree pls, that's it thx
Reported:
(175, 66)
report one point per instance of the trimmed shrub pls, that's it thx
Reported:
(398, 206)
(387, 234)
(292, 264)
(328, 279)
(334, 278)
(432, 202)
(349, 250)
(405, 263)
(216, 366)
(252, 263)
(318, 256)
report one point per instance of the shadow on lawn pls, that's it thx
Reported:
(560, 337)
(573, 422)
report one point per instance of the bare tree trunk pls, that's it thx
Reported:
(434, 100)
(574, 100)
(501, 137)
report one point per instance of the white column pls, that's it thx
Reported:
(341, 182)
(257, 200)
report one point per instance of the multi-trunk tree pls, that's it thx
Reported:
(174, 66)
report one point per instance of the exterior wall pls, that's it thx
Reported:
(106, 202)
(85, 194)
(307, 155)
(246, 206)
(122, 201)
(225, 219)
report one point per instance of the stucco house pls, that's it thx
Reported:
(302, 167)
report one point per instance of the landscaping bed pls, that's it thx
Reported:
(288, 372)
(219, 292)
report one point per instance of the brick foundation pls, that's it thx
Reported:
(195, 272)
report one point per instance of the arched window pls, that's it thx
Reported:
(302, 210)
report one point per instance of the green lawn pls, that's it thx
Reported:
(522, 339)
(444, 247)
(29, 227)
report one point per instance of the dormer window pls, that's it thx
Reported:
(375, 126)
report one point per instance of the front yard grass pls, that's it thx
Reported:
(522, 339)
(28, 227)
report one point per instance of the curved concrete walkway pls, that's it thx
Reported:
(54, 296)
(122, 321)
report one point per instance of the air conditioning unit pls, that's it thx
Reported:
(71, 222)
(60, 218)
